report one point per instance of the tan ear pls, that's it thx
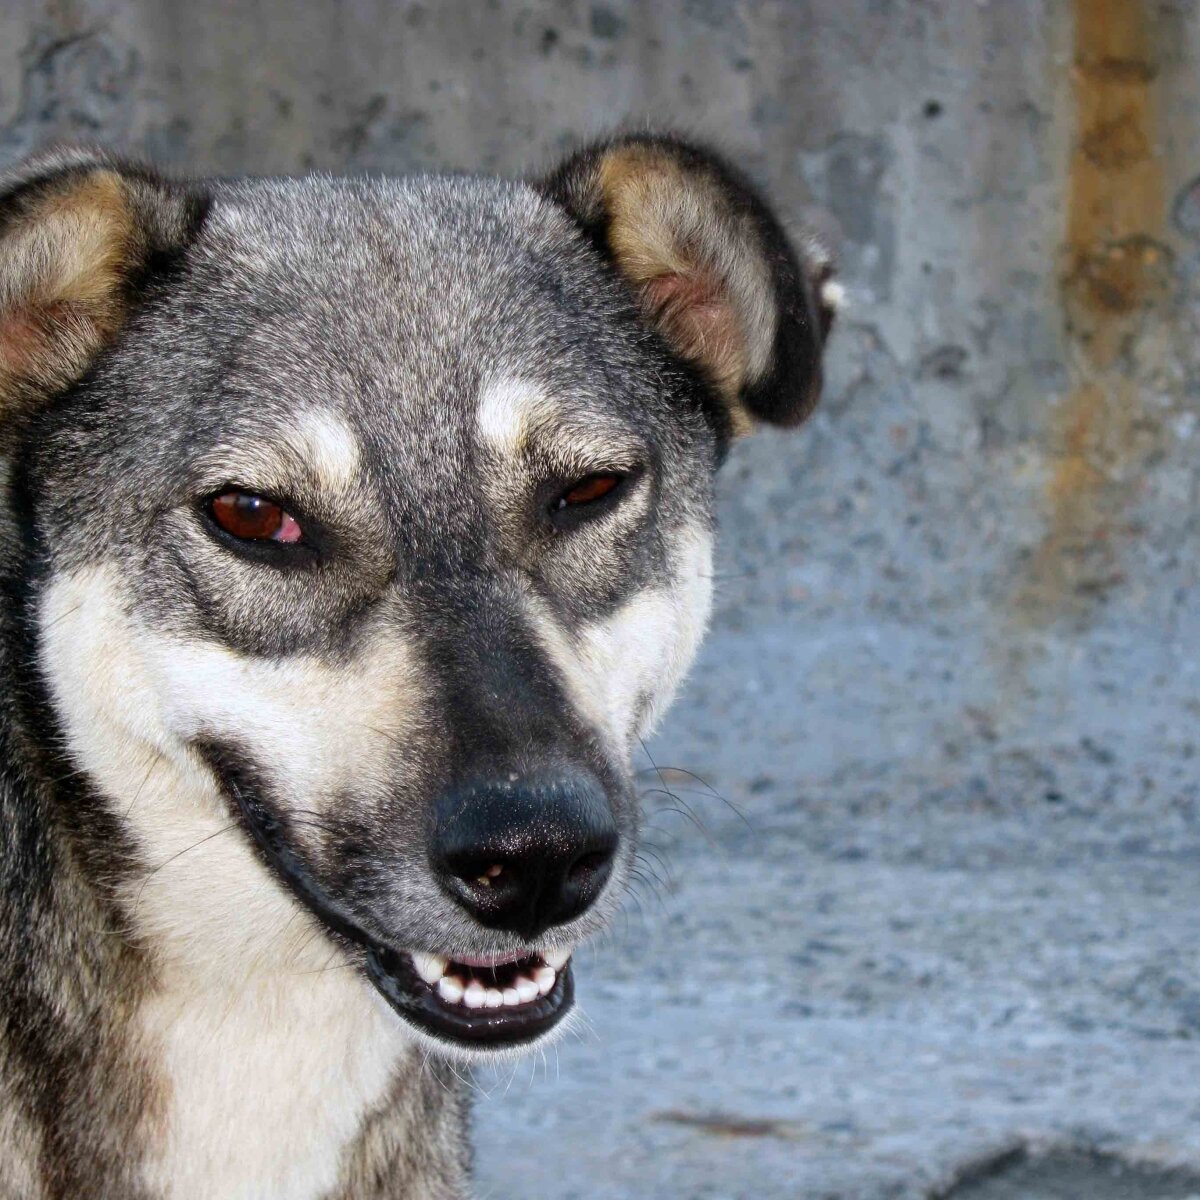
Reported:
(78, 232)
(711, 268)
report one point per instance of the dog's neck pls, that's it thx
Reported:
(128, 1071)
(291, 1086)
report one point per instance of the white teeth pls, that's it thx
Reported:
(473, 993)
(430, 967)
(450, 988)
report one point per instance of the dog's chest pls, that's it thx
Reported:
(267, 1086)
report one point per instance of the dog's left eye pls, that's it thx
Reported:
(588, 490)
(254, 518)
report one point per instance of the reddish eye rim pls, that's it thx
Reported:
(250, 517)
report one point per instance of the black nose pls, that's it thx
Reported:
(524, 855)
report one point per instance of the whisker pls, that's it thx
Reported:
(344, 966)
(662, 779)
(63, 616)
(174, 857)
(383, 733)
(647, 867)
(646, 883)
(709, 790)
(145, 780)
(684, 811)
(633, 896)
(311, 817)
(648, 847)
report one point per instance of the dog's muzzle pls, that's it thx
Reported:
(521, 857)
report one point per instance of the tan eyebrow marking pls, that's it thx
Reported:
(508, 409)
(316, 450)
(517, 418)
(323, 440)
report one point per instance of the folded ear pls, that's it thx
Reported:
(80, 233)
(711, 268)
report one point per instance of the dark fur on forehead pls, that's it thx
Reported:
(710, 265)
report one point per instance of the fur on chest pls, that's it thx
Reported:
(268, 1086)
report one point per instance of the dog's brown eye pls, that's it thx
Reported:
(587, 491)
(254, 518)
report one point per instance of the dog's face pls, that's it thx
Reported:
(372, 528)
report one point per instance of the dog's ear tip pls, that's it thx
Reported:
(710, 265)
(832, 296)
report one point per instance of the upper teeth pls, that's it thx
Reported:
(450, 989)
(430, 967)
(434, 969)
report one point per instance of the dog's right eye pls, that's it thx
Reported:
(252, 518)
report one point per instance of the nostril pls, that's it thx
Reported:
(585, 880)
(492, 879)
(587, 866)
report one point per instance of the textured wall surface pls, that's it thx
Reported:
(954, 679)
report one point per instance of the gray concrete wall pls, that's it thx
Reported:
(953, 681)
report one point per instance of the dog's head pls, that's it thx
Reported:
(370, 524)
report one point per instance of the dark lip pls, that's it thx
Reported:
(390, 971)
(485, 1028)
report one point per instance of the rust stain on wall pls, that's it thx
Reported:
(1115, 279)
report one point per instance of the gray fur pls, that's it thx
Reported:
(367, 319)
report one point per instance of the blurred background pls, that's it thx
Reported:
(927, 830)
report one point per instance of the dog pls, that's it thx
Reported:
(354, 531)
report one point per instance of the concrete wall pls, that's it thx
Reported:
(969, 585)
(979, 550)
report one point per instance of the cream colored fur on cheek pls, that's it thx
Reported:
(271, 1061)
(131, 697)
(623, 670)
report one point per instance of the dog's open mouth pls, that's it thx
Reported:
(485, 1003)
(494, 1002)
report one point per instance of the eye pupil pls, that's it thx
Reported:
(249, 517)
(588, 490)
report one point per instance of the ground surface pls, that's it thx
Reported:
(1073, 1176)
(864, 992)
(867, 1009)
(1069, 1176)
